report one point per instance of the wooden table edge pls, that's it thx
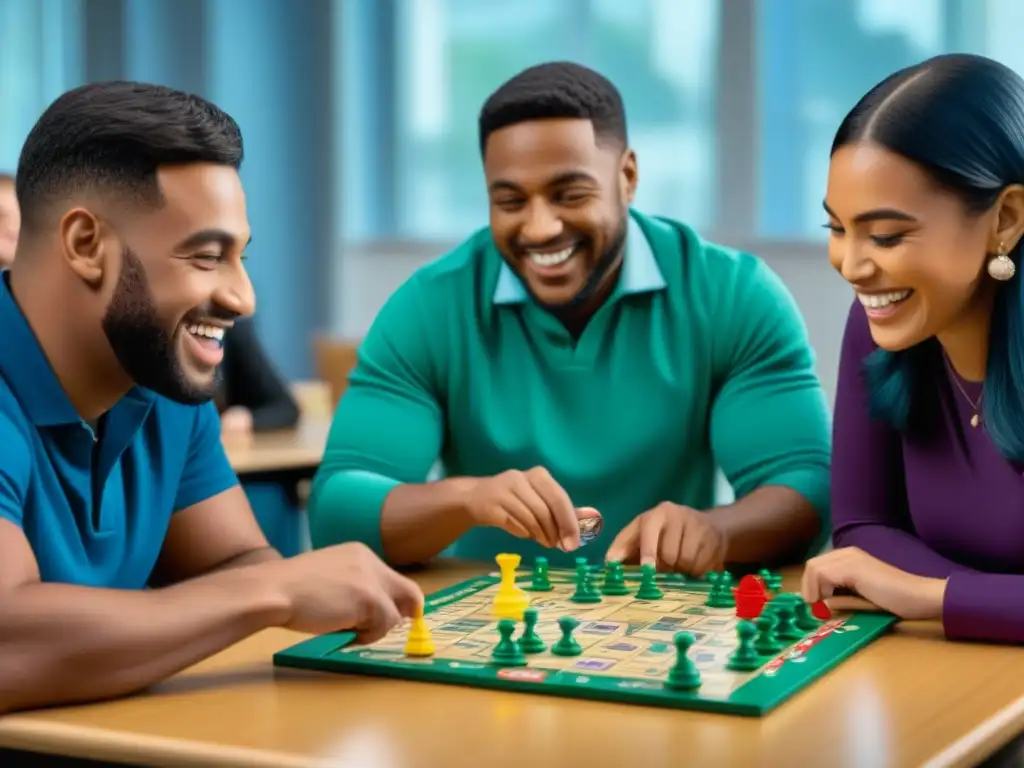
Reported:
(983, 741)
(88, 743)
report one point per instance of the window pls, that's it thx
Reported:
(449, 55)
(816, 58)
(38, 56)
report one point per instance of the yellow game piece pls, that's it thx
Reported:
(419, 642)
(511, 601)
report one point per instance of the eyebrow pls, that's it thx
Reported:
(876, 214)
(564, 178)
(203, 237)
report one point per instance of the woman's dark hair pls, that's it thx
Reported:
(960, 118)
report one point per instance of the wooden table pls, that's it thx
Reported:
(911, 699)
(301, 448)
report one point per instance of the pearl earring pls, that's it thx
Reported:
(1001, 266)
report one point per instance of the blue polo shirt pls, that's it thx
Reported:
(96, 509)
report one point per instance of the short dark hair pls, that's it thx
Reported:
(113, 136)
(558, 89)
(960, 119)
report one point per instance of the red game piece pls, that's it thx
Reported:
(750, 597)
(820, 610)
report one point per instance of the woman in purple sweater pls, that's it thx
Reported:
(925, 205)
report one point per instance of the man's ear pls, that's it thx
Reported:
(84, 245)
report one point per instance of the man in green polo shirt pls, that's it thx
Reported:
(579, 358)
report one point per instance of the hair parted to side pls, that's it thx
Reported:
(559, 89)
(112, 137)
(960, 118)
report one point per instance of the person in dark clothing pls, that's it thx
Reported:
(254, 396)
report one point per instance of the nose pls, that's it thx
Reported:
(541, 225)
(851, 262)
(237, 293)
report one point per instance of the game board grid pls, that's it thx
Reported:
(461, 616)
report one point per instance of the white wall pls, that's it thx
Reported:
(366, 277)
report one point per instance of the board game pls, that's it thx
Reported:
(610, 633)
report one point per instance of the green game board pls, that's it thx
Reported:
(627, 647)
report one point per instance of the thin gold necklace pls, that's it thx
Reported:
(975, 419)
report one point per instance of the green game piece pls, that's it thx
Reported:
(507, 652)
(585, 590)
(684, 675)
(567, 645)
(715, 597)
(541, 582)
(766, 643)
(787, 628)
(531, 642)
(805, 620)
(725, 585)
(744, 658)
(774, 582)
(614, 580)
(649, 589)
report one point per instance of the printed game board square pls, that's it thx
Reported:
(624, 647)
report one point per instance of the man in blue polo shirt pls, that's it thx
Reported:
(127, 548)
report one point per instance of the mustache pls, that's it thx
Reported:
(211, 312)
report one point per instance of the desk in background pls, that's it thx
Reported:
(911, 699)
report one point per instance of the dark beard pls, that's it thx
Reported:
(142, 344)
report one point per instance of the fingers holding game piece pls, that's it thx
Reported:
(529, 505)
(561, 512)
(344, 587)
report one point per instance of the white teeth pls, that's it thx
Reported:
(209, 331)
(880, 300)
(551, 259)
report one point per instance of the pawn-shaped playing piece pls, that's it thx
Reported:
(725, 587)
(766, 643)
(585, 590)
(744, 658)
(531, 642)
(804, 619)
(507, 652)
(510, 601)
(541, 582)
(716, 597)
(614, 580)
(787, 629)
(419, 642)
(684, 675)
(567, 645)
(649, 589)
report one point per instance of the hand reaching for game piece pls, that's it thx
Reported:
(672, 538)
(529, 505)
(344, 587)
(904, 594)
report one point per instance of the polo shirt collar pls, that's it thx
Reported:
(640, 271)
(27, 371)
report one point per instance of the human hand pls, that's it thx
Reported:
(672, 538)
(904, 594)
(530, 505)
(344, 587)
(236, 421)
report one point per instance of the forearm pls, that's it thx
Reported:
(984, 607)
(418, 521)
(770, 526)
(253, 557)
(405, 523)
(63, 644)
(896, 547)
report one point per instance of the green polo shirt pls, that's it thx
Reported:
(699, 360)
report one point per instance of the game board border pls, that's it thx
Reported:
(755, 698)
